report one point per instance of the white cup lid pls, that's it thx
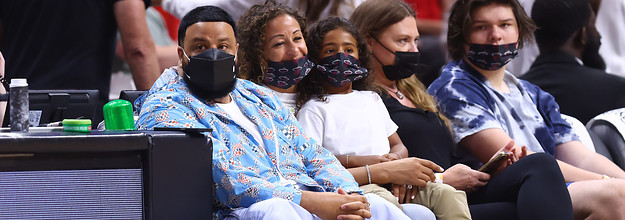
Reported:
(18, 82)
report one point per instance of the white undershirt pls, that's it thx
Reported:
(288, 99)
(237, 116)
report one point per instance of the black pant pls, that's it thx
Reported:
(531, 188)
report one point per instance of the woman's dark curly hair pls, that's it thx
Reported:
(312, 85)
(460, 23)
(251, 35)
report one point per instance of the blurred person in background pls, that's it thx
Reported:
(121, 79)
(71, 44)
(569, 64)
(313, 10)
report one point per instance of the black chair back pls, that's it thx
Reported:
(605, 127)
(131, 95)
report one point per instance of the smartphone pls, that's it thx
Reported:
(494, 162)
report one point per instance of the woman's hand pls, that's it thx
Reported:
(392, 156)
(407, 171)
(404, 193)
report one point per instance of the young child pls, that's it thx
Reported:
(339, 110)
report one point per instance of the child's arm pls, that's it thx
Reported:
(351, 161)
(398, 150)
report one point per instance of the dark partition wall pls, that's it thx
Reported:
(105, 175)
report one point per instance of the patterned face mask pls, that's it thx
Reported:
(491, 57)
(341, 69)
(287, 73)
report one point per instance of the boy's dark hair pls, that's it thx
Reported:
(460, 23)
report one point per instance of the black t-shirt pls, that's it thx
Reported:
(422, 132)
(66, 44)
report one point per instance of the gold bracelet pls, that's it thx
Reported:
(347, 161)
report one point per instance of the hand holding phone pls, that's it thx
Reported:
(494, 163)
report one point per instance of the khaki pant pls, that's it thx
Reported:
(445, 201)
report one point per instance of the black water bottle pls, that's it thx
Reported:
(18, 97)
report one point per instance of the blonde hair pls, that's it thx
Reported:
(415, 91)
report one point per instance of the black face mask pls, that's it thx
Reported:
(406, 64)
(210, 74)
(492, 57)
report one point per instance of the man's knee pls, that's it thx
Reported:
(274, 208)
(382, 209)
(416, 211)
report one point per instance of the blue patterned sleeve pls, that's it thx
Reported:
(547, 106)
(467, 105)
(164, 109)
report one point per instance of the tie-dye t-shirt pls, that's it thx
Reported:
(527, 114)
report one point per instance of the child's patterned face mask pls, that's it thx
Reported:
(341, 69)
(491, 57)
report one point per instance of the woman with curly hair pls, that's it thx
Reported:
(272, 49)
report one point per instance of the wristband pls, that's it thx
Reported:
(368, 173)
(439, 178)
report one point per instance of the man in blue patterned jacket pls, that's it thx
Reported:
(264, 165)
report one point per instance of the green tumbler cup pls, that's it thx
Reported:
(118, 115)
